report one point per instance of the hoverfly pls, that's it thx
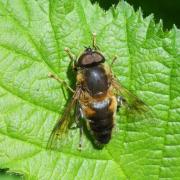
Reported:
(96, 97)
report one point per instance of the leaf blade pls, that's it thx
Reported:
(31, 45)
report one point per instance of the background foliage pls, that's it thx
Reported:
(166, 10)
(33, 36)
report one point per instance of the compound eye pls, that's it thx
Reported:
(87, 59)
(98, 57)
(92, 58)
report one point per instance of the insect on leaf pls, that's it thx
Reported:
(33, 35)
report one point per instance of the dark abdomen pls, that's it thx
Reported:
(101, 123)
(102, 129)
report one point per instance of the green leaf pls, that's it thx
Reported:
(33, 36)
(8, 176)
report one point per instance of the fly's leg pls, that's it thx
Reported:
(120, 101)
(69, 54)
(94, 41)
(113, 60)
(80, 138)
(78, 113)
(61, 81)
(71, 57)
(78, 117)
(81, 116)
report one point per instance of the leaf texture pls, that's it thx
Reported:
(33, 35)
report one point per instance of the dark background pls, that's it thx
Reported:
(167, 10)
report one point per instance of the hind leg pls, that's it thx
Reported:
(79, 117)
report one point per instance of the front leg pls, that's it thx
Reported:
(71, 56)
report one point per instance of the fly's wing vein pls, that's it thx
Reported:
(136, 109)
(132, 102)
(62, 124)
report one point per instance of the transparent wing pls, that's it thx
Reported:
(132, 102)
(136, 110)
(62, 125)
